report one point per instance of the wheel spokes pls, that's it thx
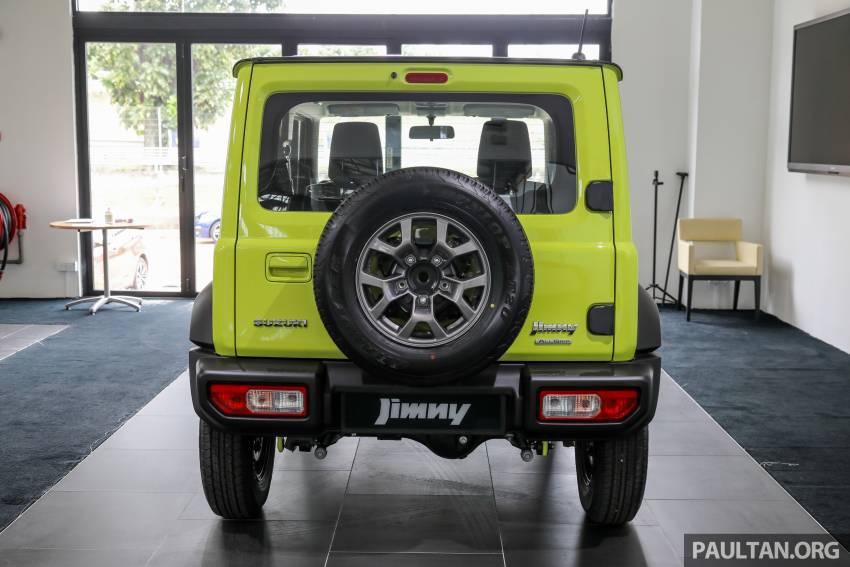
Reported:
(401, 262)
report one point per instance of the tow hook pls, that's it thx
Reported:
(541, 448)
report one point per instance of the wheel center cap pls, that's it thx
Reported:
(423, 278)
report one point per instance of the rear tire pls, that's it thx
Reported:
(236, 472)
(612, 477)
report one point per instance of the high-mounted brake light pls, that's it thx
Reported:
(586, 405)
(429, 77)
(263, 400)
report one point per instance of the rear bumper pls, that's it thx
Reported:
(335, 388)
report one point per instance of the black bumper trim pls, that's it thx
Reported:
(516, 384)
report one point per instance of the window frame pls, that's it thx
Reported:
(288, 30)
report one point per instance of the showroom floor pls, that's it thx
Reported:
(137, 500)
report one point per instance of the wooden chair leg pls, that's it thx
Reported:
(690, 298)
(737, 291)
(757, 286)
(679, 300)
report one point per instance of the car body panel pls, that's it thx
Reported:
(574, 253)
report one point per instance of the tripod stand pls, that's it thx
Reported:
(658, 292)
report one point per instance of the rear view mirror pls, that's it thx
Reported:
(432, 132)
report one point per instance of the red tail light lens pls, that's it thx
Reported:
(261, 400)
(429, 77)
(586, 405)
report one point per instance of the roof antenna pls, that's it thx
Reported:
(578, 55)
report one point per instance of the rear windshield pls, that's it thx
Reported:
(317, 150)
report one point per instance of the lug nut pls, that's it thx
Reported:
(410, 260)
(527, 455)
(436, 260)
(320, 453)
(402, 285)
(444, 286)
(423, 300)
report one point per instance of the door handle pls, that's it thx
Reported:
(288, 268)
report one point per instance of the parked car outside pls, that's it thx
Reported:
(208, 225)
(129, 267)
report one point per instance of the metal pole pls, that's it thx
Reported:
(106, 291)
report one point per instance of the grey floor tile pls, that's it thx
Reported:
(678, 517)
(95, 520)
(135, 471)
(174, 400)
(403, 523)
(340, 458)
(710, 478)
(403, 468)
(504, 458)
(546, 498)
(73, 558)
(156, 432)
(691, 438)
(415, 560)
(674, 404)
(213, 543)
(294, 495)
(536, 543)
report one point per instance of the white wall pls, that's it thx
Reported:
(730, 84)
(807, 217)
(651, 40)
(37, 149)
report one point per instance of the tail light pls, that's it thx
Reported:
(586, 405)
(261, 400)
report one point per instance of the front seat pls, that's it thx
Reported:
(504, 163)
(355, 159)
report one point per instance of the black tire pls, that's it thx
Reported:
(432, 191)
(612, 477)
(215, 231)
(236, 482)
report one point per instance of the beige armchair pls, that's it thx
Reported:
(712, 249)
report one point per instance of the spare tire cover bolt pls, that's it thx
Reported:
(410, 260)
(527, 455)
(436, 260)
(320, 453)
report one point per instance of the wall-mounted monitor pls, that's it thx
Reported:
(819, 140)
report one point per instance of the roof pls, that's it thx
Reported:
(441, 60)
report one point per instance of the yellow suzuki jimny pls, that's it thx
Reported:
(433, 249)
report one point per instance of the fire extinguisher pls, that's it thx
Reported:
(13, 219)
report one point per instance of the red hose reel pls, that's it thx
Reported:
(12, 220)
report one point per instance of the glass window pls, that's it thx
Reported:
(234, 6)
(347, 7)
(446, 50)
(328, 50)
(551, 50)
(520, 145)
(132, 127)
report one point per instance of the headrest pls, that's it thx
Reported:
(355, 156)
(504, 154)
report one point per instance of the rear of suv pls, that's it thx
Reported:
(433, 249)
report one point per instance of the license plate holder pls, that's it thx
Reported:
(423, 413)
